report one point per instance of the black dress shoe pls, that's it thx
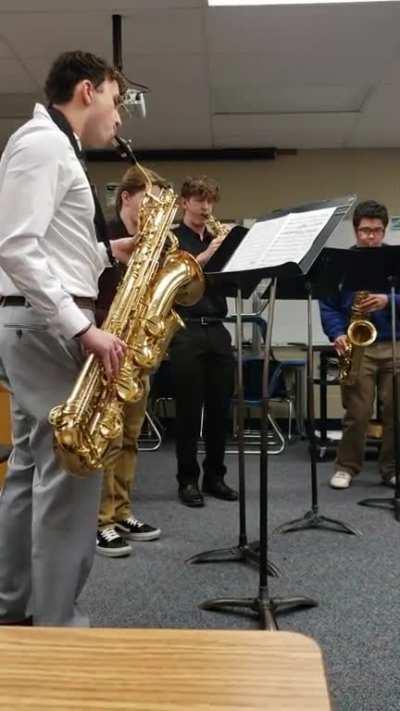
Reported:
(190, 495)
(220, 490)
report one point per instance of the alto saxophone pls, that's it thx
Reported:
(158, 275)
(360, 334)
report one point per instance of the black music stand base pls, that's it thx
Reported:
(312, 519)
(266, 608)
(244, 553)
(393, 504)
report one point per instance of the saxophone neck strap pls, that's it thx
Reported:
(99, 220)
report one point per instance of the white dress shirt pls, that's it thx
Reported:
(48, 245)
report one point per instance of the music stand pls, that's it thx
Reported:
(263, 605)
(242, 287)
(321, 280)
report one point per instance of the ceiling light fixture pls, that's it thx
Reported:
(247, 3)
(134, 99)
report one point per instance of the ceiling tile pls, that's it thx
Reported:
(283, 131)
(378, 124)
(189, 134)
(179, 83)
(310, 26)
(309, 64)
(122, 6)
(164, 32)
(308, 68)
(275, 98)
(47, 35)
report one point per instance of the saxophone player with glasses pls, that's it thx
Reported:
(350, 318)
(201, 357)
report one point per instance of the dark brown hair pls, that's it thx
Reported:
(202, 187)
(371, 210)
(133, 181)
(72, 67)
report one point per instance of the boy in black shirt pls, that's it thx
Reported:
(202, 359)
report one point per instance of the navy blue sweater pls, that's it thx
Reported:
(335, 316)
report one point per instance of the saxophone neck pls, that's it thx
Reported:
(173, 241)
(356, 311)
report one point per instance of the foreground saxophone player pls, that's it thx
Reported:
(50, 261)
(370, 220)
(202, 360)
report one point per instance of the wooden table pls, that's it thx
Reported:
(159, 670)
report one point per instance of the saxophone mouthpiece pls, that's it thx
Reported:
(124, 148)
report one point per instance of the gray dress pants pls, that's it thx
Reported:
(48, 517)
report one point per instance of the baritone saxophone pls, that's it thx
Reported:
(157, 276)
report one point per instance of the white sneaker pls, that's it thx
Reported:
(340, 480)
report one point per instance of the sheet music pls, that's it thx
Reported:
(274, 242)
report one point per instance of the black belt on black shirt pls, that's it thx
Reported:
(204, 320)
(84, 302)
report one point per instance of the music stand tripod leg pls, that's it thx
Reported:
(265, 610)
(265, 607)
(312, 518)
(243, 552)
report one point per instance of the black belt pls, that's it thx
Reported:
(84, 302)
(204, 321)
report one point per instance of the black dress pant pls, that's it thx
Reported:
(203, 368)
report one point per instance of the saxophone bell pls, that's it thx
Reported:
(216, 228)
(361, 333)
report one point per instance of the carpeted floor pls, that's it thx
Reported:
(354, 579)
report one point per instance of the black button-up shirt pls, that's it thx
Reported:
(112, 276)
(213, 304)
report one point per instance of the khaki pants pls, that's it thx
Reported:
(118, 478)
(358, 401)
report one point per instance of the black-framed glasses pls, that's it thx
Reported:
(371, 231)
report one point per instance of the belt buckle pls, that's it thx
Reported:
(203, 321)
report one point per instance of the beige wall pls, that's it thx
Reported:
(250, 188)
